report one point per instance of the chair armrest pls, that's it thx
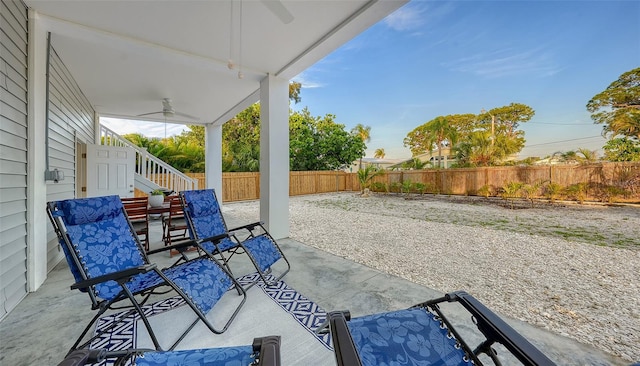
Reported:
(214, 239)
(496, 329)
(179, 245)
(344, 349)
(249, 227)
(269, 350)
(120, 276)
(81, 357)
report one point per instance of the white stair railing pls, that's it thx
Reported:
(150, 167)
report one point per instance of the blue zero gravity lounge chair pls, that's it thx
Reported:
(108, 262)
(422, 335)
(264, 351)
(208, 227)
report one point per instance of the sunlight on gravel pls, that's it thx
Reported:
(574, 270)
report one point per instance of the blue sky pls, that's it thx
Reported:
(434, 58)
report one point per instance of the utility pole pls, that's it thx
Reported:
(493, 126)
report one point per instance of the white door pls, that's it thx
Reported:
(110, 170)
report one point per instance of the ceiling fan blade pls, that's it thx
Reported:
(276, 7)
(148, 114)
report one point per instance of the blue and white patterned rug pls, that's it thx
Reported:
(304, 314)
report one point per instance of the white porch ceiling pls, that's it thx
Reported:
(129, 55)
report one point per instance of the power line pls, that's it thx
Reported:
(557, 142)
(561, 124)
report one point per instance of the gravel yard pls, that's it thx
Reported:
(571, 269)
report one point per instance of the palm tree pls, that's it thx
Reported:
(379, 154)
(588, 156)
(364, 132)
(440, 132)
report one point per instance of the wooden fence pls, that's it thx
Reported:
(468, 181)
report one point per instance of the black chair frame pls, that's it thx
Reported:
(493, 328)
(123, 277)
(266, 349)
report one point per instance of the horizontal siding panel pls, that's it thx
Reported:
(12, 167)
(70, 116)
(13, 36)
(83, 102)
(18, 12)
(12, 100)
(13, 132)
(16, 87)
(10, 153)
(13, 192)
(11, 239)
(13, 221)
(13, 155)
(10, 260)
(13, 181)
(14, 28)
(10, 207)
(54, 253)
(61, 191)
(14, 75)
(15, 57)
(9, 113)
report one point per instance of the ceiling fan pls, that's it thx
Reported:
(168, 111)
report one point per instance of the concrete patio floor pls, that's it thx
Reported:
(47, 322)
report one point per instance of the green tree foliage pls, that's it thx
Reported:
(364, 133)
(617, 108)
(317, 143)
(379, 153)
(476, 150)
(435, 134)
(241, 141)
(509, 118)
(482, 140)
(622, 149)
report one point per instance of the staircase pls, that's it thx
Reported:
(151, 172)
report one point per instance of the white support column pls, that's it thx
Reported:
(37, 221)
(274, 155)
(213, 159)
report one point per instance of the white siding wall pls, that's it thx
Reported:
(13, 154)
(70, 118)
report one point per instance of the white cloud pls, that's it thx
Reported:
(407, 18)
(507, 62)
(416, 14)
(307, 82)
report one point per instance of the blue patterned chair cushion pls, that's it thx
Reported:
(72, 265)
(202, 206)
(202, 280)
(208, 226)
(202, 202)
(85, 210)
(226, 356)
(263, 250)
(105, 244)
(102, 238)
(405, 337)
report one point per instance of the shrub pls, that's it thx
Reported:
(407, 187)
(577, 191)
(511, 191)
(485, 191)
(379, 187)
(395, 187)
(552, 191)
